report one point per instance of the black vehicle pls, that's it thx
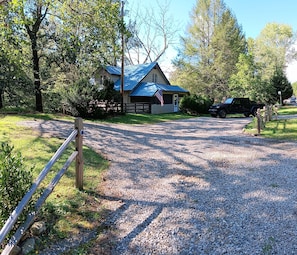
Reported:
(235, 105)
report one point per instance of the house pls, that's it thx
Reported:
(145, 87)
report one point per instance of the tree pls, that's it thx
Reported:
(87, 37)
(247, 81)
(279, 82)
(210, 50)
(294, 86)
(228, 43)
(65, 41)
(14, 84)
(150, 34)
(25, 20)
(273, 49)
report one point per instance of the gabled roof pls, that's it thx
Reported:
(134, 74)
(148, 89)
(113, 70)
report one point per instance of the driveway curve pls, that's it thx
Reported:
(194, 186)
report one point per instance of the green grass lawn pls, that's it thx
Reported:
(66, 210)
(284, 129)
(287, 110)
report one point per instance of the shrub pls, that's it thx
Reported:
(15, 181)
(82, 99)
(195, 104)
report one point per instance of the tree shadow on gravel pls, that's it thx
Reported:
(197, 186)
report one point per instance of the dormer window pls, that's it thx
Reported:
(155, 78)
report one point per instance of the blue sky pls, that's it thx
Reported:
(252, 15)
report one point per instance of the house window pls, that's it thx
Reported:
(102, 79)
(155, 78)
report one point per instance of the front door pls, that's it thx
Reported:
(175, 103)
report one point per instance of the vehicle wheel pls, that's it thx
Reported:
(213, 115)
(222, 114)
(254, 112)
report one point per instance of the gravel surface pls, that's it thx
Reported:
(195, 186)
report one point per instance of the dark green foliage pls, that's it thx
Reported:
(15, 86)
(83, 98)
(15, 182)
(108, 92)
(195, 104)
(80, 97)
(280, 82)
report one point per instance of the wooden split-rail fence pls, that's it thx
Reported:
(76, 155)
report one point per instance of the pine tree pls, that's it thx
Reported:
(210, 50)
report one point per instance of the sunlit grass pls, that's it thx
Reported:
(284, 129)
(66, 208)
(287, 110)
(281, 129)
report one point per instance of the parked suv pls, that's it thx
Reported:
(235, 105)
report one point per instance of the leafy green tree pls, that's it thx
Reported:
(25, 20)
(61, 41)
(79, 98)
(108, 93)
(210, 50)
(228, 43)
(247, 81)
(273, 48)
(279, 82)
(87, 37)
(14, 83)
(294, 86)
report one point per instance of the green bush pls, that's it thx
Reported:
(15, 181)
(195, 104)
(82, 99)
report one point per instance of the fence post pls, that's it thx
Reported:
(259, 120)
(79, 158)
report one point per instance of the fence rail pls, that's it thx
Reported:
(76, 155)
(137, 108)
(265, 115)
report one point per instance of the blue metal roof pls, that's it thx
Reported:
(148, 89)
(133, 75)
(113, 70)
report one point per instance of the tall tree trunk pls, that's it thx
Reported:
(35, 58)
(37, 83)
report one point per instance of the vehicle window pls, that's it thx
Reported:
(228, 100)
(236, 102)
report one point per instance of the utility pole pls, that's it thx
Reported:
(123, 56)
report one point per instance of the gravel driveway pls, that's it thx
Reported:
(195, 186)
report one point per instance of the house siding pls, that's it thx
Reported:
(149, 77)
(103, 73)
(158, 109)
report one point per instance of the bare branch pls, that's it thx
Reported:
(154, 31)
